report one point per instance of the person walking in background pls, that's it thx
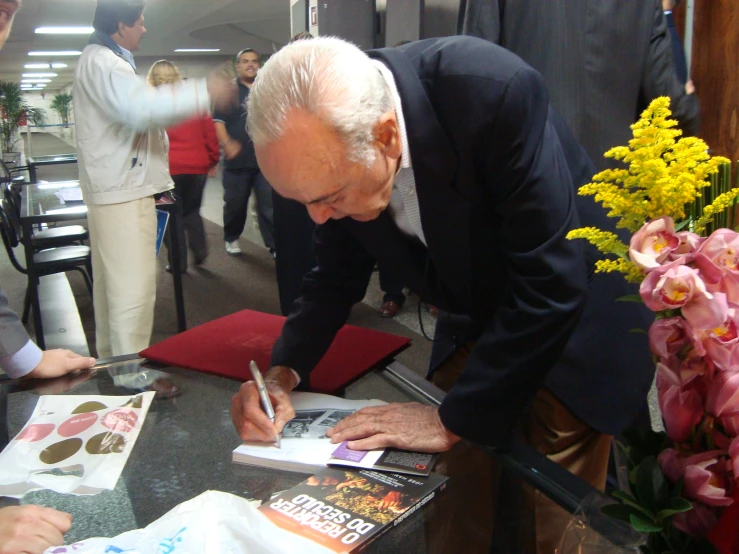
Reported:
(603, 61)
(678, 50)
(122, 153)
(241, 173)
(193, 157)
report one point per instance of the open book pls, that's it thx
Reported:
(306, 449)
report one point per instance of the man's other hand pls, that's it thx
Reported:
(231, 149)
(55, 363)
(409, 426)
(689, 87)
(222, 89)
(247, 413)
(31, 529)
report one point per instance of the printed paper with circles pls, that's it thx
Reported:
(73, 444)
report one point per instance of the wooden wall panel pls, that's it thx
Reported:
(715, 71)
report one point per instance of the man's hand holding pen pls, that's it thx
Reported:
(249, 417)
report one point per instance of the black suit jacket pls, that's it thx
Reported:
(497, 199)
(603, 61)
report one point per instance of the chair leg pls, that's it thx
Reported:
(88, 280)
(88, 265)
(26, 306)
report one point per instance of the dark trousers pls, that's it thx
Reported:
(188, 190)
(392, 287)
(294, 243)
(237, 187)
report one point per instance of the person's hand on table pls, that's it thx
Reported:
(55, 363)
(31, 529)
(408, 426)
(247, 413)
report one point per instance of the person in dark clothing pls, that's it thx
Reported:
(241, 173)
(678, 51)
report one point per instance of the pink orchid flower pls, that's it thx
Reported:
(679, 286)
(718, 261)
(722, 400)
(696, 522)
(671, 464)
(706, 478)
(653, 243)
(689, 244)
(734, 453)
(682, 409)
(669, 336)
(721, 341)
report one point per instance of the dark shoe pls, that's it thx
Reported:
(168, 269)
(273, 253)
(201, 260)
(389, 309)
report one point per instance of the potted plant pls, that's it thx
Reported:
(62, 105)
(14, 111)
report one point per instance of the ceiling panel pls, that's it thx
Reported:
(227, 24)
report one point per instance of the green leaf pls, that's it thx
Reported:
(681, 225)
(672, 507)
(630, 298)
(619, 511)
(638, 330)
(644, 525)
(631, 501)
(650, 486)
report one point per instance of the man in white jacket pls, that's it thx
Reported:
(122, 156)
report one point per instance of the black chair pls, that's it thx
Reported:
(66, 235)
(45, 262)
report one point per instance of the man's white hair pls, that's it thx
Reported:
(326, 77)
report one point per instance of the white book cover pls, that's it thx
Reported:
(305, 448)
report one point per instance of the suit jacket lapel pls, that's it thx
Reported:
(445, 213)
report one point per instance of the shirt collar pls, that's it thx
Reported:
(128, 56)
(405, 162)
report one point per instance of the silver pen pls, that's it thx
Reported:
(263, 396)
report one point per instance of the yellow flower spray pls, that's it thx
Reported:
(664, 177)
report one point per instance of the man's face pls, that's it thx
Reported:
(7, 13)
(247, 66)
(309, 164)
(131, 36)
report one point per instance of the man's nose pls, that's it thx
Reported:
(320, 214)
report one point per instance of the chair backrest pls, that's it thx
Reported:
(9, 236)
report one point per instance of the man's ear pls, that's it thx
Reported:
(387, 136)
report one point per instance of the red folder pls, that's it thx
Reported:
(225, 347)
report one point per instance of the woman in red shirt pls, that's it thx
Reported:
(193, 156)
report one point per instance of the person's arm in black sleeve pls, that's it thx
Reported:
(660, 78)
(529, 190)
(328, 293)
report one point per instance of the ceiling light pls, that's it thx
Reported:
(39, 75)
(35, 80)
(197, 50)
(37, 66)
(64, 30)
(58, 65)
(56, 53)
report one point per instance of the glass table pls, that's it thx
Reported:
(41, 205)
(185, 449)
(34, 162)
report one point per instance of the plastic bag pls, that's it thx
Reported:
(73, 444)
(214, 522)
(592, 532)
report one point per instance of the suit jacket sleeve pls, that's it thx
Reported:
(660, 78)
(528, 189)
(328, 293)
(13, 335)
